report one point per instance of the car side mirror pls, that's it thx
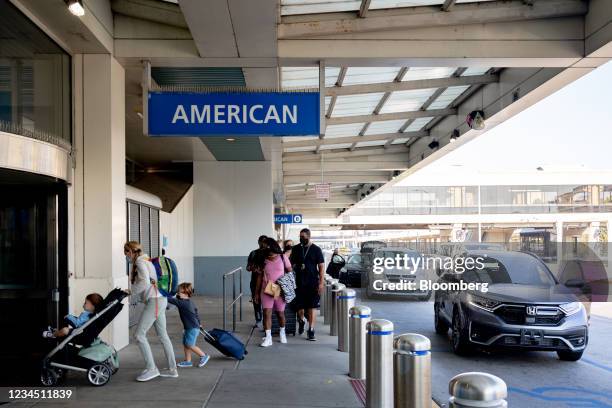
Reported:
(575, 283)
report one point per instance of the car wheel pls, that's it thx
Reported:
(569, 355)
(459, 338)
(440, 325)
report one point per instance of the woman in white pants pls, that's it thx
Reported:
(144, 286)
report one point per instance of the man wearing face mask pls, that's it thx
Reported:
(308, 263)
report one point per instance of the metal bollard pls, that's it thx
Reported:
(360, 316)
(346, 300)
(326, 279)
(327, 308)
(482, 390)
(379, 364)
(412, 371)
(333, 321)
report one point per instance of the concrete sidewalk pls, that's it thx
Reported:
(297, 374)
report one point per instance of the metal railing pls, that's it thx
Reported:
(235, 298)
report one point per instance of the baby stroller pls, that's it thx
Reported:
(83, 351)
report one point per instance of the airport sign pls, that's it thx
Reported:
(233, 113)
(287, 218)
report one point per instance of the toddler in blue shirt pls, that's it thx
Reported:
(72, 322)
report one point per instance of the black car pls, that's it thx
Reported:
(525, 307)
(351, 274)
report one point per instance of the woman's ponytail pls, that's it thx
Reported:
(135, 248)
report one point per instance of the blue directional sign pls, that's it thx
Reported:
(287, 218)
(233, 113)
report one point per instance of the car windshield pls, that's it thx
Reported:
(518, 269)
(355, 259)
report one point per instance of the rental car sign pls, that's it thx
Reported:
(233, 113)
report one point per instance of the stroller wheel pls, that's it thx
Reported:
(99, 374)
(48, 377)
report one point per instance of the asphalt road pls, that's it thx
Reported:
(534, 379)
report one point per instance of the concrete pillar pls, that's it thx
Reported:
(98, 219)
(232, 206)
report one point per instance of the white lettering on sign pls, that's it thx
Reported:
(221, 114)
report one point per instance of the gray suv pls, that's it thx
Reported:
(525, 307)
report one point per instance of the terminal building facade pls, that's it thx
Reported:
(79, 178)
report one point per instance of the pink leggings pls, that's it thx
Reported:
(268, 302)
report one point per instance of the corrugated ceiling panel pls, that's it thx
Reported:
(350, 105)
(351, 129)
(406, 101)
(387, 126)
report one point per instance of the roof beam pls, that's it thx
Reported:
(411, 85)
(317, 201)
(315, 166)
(352, 139)
(343, 153)
(448, 4)
(343, 179)
(418, 17)
(343, 120)
(364, 8)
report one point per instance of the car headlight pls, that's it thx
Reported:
(571, 308)
(483, 303)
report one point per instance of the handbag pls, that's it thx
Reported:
(287, 285)
(272, 289)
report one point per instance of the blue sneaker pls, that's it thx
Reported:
(203, 360)
(185, 364)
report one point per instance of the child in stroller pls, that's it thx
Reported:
(82, 350)
(91, 304)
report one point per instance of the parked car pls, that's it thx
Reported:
(525, 308)
(374, 282)
(352, 273)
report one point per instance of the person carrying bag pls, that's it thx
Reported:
(273, 266)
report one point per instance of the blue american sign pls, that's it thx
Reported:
(231, 113)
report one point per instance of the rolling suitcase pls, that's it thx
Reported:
(290, 322)
(225, 342)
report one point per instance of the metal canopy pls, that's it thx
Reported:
(369, 109)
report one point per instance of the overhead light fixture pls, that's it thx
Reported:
(434, 144)
(230, 139)
(76, 7)
(476, 120)
(455, 135)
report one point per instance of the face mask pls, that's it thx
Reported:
(303, 241)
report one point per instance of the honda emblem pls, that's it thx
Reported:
(531, 310)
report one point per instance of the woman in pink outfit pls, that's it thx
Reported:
(275, 264)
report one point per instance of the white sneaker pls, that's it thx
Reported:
(169, 373)
(267, 342)
(147, 375)
(283, 338)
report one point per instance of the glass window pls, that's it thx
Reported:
(34, 80)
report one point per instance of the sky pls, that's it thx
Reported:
(567, 131)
